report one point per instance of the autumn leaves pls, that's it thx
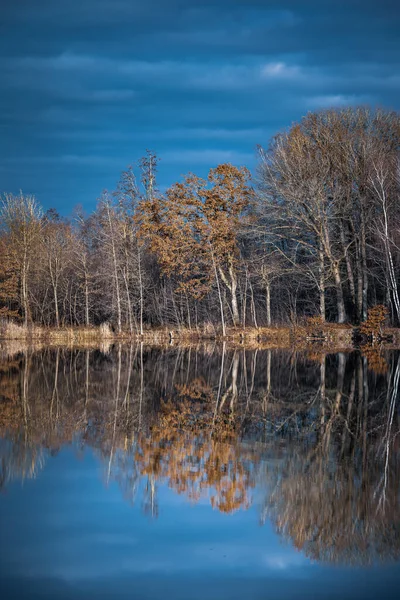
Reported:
(194, 229)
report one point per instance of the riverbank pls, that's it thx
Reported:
(309, 334)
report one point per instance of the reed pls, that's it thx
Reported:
(312, 331)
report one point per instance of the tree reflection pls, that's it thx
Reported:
(316, 436)
(335, 492)
(197, 454)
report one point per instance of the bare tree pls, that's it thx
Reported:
(21, 219)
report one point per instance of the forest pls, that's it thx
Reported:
(314, 231)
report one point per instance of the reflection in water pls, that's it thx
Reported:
(312, 440)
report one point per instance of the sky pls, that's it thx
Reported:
(86, 86)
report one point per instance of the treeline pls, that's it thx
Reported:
(315, 231)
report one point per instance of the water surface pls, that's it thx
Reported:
(209, 473)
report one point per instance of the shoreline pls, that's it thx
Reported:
(328, 336)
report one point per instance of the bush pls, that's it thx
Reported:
(373, 326)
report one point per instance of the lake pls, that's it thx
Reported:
(191, 473)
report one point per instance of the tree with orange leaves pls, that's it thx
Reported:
(194, 229)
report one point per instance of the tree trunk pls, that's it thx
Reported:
(364, 266)
(24, 290)
(140, 289)
(268, 302)
(115, 266)
(349, 267)
(128, 301)
(389, 258)
(339, 293)
(321, 285)
(360, 284)
(24, 300)
(221, 304)
(87, 320)
(54, 283)
(233, 290)
(56, 305)
(253, 306)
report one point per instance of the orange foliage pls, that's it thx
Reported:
(195, 223)
(197, 452)
(377, 315)
(376, 362)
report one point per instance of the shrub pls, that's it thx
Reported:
(377, 316)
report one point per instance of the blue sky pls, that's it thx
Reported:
(87, 85)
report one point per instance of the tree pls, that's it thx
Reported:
(194, 228)
(8, 281)
(56, 236)
(130, 195)
(109, 234)
(21, 219)
(316, 182)
(385, 186)
(82, 260)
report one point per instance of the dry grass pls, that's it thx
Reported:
(307, 334)
(12, 331)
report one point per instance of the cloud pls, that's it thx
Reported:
(335, 100)
(87, 70)
(165, 73)
(279, 70)
(66, 61)
(90, 78)
(210, 157)
(284, 561)
(167, 135)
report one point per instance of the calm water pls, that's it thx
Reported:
(141, 473)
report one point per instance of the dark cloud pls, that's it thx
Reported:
(87, 85)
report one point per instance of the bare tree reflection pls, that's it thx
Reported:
(316, 436)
